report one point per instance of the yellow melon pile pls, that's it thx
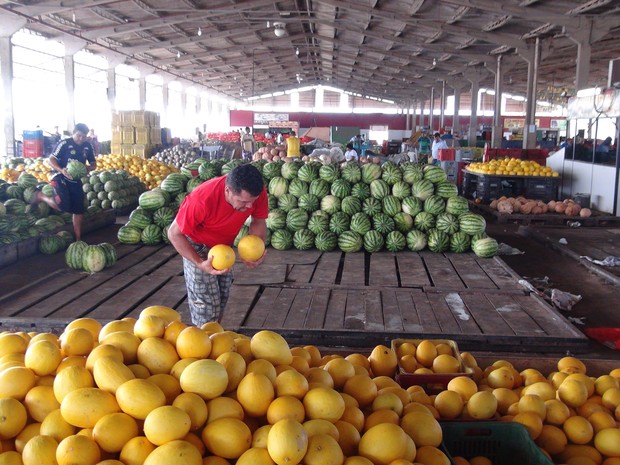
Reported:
(511, 167)
(35, 166)
(156, 391)
(151, 172)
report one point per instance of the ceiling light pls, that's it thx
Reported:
(178, 54)
(74, 17)
(434, 61)
(297, 51)
(279, 29)
(199, 31)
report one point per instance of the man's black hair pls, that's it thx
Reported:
(245, 178)
(81, 127)
(350, 145)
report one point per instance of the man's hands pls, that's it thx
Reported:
(255, 263)
(206, 266)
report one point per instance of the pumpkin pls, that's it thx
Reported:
(585, 213)
(560, 207)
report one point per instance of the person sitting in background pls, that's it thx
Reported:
(350, 154)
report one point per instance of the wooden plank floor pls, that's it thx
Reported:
(333, 299)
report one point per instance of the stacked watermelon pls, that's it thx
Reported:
(111, 189)
(90, 258)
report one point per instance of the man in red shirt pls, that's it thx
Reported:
(212, 214)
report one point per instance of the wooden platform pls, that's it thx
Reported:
(330, 299)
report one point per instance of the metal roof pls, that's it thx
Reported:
(392, 49)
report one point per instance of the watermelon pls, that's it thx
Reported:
(373, 241)
(326, 241)
(341, 188)
(26, 180)
(457, 205)
(360, 190)
(282, 239)
(66, 237)
(434, 174)
(296, 219)
(383, 223)
(447, 223)
(276, 219)
(446, 189)
(206, 171)
(140, 218)
(319, 187)
(191, 185)
(434, 205)
(370, 172)
(272, 201)
(360, 223)
(230, 165)
(287, 202)
(163, 216)
(309, 172)
(15, 207)
(297, 187)
(15, 192)
(403, 222)
(303, 239)
(401, 190)
(472, 223)
(244, 231)
(329, 172)
(395, 241)
(438, 241)
(460, 242)
(350, 241)
(151, 235)
(391, 205)
(278, 186)
(48, 190)
(339, 222)
(330, 204)
(318, 223)
(93, 259)
(49, 245)
(379, 188)
(485, 248)
(372, 206)
(391, 173)
(424, 221)
(422, 189)
(351, 205)
(289, 170)
(351, 172)
(152, 200)
(416, 240)
(272, 169)
(76, 169)
(110, 253)
(412, 206)
(412, 173)
(308, 202)
(129, 235)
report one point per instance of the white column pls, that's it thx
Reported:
(496, 138)
(442, 110)
(431, 110)
(529, 131)
(71, 47)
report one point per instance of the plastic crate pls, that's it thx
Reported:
(33, 148)
(446, 154)
(494, 187)
(434, 382)
(505, 443)
(543, 188)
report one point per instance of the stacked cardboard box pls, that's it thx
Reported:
(135, 132)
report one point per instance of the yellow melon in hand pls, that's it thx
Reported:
(223, 257)
(251, 248)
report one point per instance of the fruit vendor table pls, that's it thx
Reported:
(331, 299)
(488, 187)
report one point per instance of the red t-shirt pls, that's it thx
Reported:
(207, 218)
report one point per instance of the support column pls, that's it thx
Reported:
(592, 31)
(9, 25)
(414, 116)
(474, 76)
(72, 46)
(422, 122)
(529, 131)
(496, 138)
(113, 62)
(431, 110)
(406, 112)
(142, 92)
(442, 110)
(456, 119)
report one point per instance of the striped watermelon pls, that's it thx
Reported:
(207, 171)
(434, 205)
(296, 219)
(308, 202)
(129, 235)
(330, 204)
(485, 248)
(351, 172)
(297, 187)
(434, 174)
(383, 223)
(282, 239)
(273, 169)
(244, 231)
(309, 172)
(401, 190)
(360, 223)
(77, 169)
(152, 200)
(140, 218)
(373, 241)
(173, 183)
(395, 241)
(459, 242)
(190, 186)
(272, 202)
(446, 190)
(472, 223)
(319, 187)
(110, 253)
(412, 206)
(278, 186)
(339, 222)
(391, 173)
(93, 259)
(447, 223)
(163, 216)
(49, 245)
(379, 188)
(412, 173)
(329, 172)
(350, 241)
(303, 239)
(457, 205)
(326, 241)
(289, 170)
(372, 206)
(341, 188)
(26, 180)
(276, 219)
(287, 202)
(391, 205)
(151, 235)
(403, 222)
(318, 223)
(360, 190)
(424, 221)
(370, 172)
(416, 240)
(351, 205)
(422, 189)
(438, 241)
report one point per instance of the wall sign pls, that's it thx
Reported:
(266, 118)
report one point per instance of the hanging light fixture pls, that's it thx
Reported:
(178, 54)
(297, 51)
(199, 31)
(73, 17)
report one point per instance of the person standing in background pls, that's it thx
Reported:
(92, 138)
(438, 143)
(292, 145)
(356, 142)
(424, 145)
(247, 143)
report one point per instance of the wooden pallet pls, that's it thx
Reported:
(546, 219)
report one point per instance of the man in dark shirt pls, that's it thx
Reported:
(69, 196)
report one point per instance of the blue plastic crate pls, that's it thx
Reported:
(33, 135)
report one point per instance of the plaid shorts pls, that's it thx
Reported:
(206, 294)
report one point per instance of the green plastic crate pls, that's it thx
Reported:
(505, 443)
